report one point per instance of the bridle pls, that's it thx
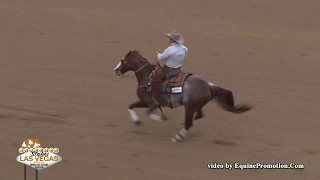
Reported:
(131, 76)
(141, 68)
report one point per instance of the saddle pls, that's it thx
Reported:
(174, 84)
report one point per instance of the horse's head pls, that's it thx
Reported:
(132, 61)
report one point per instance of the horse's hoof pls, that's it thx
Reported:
(164, 118)
(174, 140)
(138, 123)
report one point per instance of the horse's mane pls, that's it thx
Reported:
(136, 52)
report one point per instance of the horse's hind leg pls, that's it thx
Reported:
(199, 114)
(132, 112)
(188, 122)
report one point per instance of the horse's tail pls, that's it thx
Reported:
(225, 100)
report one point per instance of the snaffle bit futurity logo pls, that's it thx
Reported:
(34, 155)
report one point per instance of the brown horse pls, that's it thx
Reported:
(182, 89)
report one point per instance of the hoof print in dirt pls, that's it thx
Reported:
(224, 143)
(138, 123)
(164, 118)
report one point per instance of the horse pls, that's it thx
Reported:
(194, 93)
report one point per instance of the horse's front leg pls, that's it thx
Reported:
(132, 112)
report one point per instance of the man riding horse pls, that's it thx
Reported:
(173, 58)
(183, 88)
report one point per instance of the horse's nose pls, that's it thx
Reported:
(117, 71)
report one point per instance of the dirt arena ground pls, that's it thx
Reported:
(57, 85)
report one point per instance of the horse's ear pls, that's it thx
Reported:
(128, 54)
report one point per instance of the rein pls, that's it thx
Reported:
(141, 68)
(131, 76)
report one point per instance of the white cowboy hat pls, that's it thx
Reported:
(177, 37)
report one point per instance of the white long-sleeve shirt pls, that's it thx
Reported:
(174, 55)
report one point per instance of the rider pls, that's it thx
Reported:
(173, 58)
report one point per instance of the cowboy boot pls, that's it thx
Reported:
(156, 89)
